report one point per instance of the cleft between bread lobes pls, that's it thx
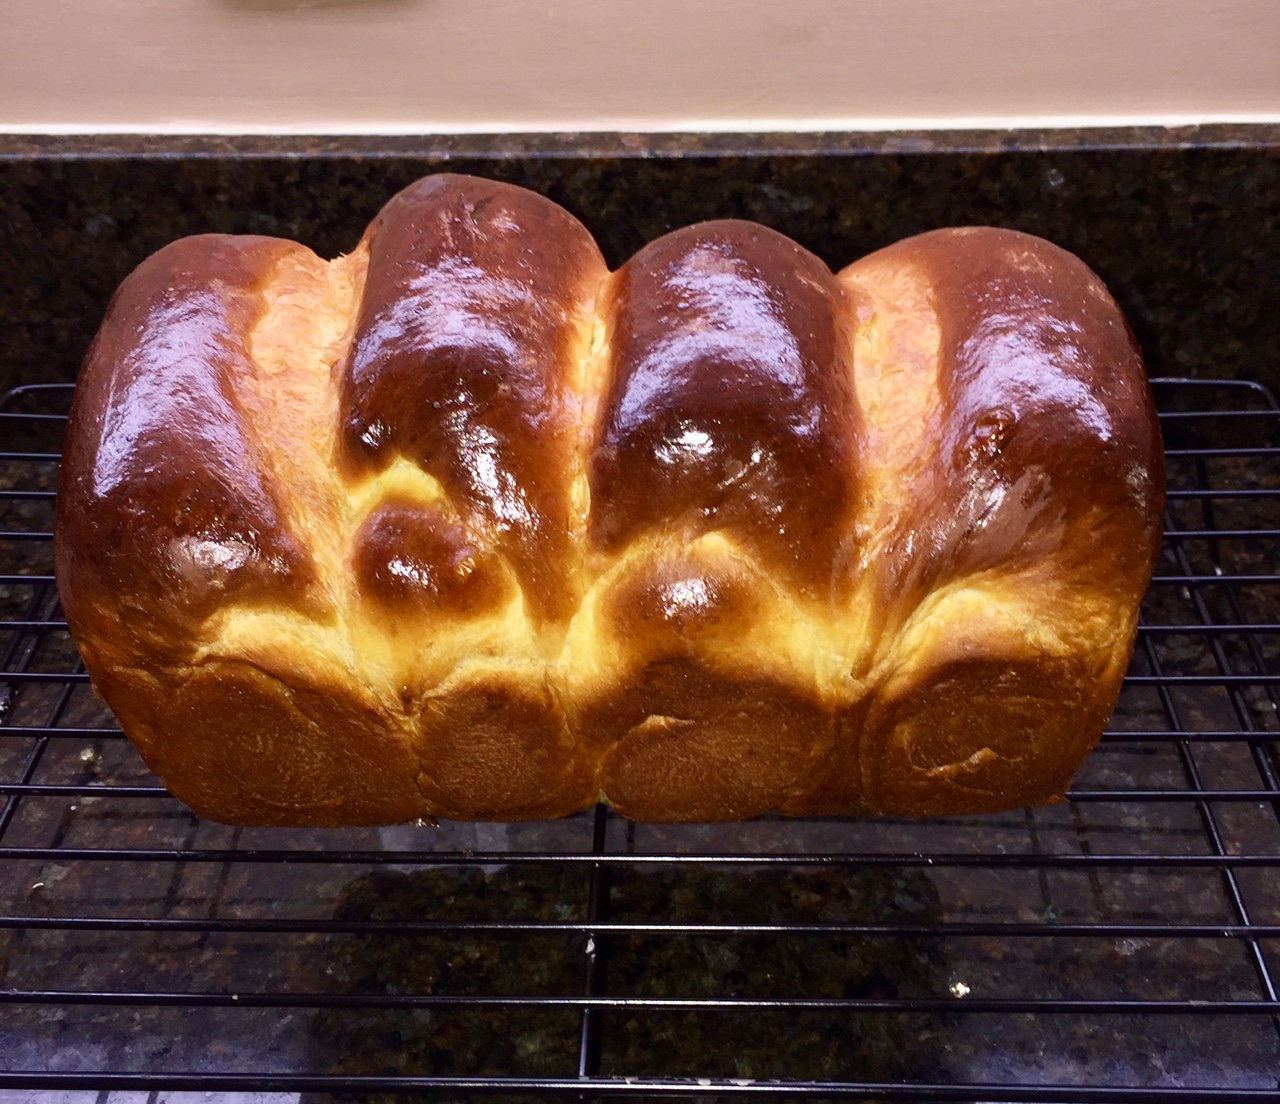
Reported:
(463, 524)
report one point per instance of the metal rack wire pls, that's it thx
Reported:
(1122, 946)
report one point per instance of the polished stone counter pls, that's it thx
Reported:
(1109, 898)
(1182, 224)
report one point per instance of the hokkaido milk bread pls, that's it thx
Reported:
(464, 524)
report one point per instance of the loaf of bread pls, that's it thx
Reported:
(463, 524)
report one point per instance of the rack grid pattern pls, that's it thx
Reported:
(1124, 945)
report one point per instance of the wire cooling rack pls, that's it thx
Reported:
(1124, 945)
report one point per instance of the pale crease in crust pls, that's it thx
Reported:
(896, 339)
(841, 654)
(896, 344)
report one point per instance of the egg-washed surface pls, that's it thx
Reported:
(463, 524)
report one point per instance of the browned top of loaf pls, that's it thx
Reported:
(729, 404)
(469, 443)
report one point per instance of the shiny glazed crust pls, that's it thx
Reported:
(462, 524)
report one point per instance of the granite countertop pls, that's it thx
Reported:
(1183, 224)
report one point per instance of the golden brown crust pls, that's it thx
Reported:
(461, 362)
(463, 525)
(491, 749)
(729, 396)
(411, 557)
(242, 746)
(682, 743)
(166, 507)
(1043, 422)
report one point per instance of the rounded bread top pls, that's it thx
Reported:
(471, 415)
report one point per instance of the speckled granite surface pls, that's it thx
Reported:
(1184, 225)
(355, 941)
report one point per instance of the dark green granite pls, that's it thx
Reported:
(750, 1043)
(1184, 225)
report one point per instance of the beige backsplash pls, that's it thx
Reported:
(513, 65)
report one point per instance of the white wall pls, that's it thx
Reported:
(496, 65)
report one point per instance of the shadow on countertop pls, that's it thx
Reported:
(753, 1043)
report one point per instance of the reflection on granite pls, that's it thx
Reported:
(451, 1041)
(744, 1044)
(1184, 224)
